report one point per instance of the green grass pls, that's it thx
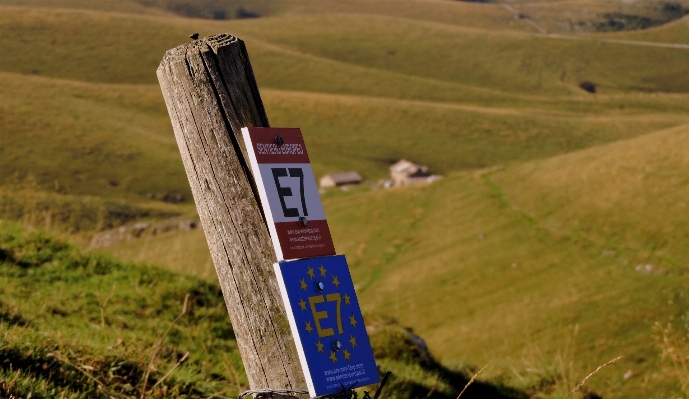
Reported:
(87, 326)
(675, 32)
(88, 139)
(525, 258)
(484, 282)
(84, 325)
(108, 139)
(631, 194)
(577, 16)
(368, 135)
(510, 62)
(490, 285)
(77, 215)
(538, 269)
(184, 252)
(117, 6)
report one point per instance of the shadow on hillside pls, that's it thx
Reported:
(216, 9)
(416, 374)
(458, 381)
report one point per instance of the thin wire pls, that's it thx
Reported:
(291, 391)
(269, 391)
(346, 393)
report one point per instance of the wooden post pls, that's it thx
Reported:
(211, 93)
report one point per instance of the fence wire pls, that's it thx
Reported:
(345, 393)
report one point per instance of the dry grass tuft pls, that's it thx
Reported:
(581, 384)
(471, 381)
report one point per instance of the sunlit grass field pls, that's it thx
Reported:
(556, 242)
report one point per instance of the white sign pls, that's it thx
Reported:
(288, 192)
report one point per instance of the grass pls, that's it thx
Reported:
(676, 32)
(557, 200)
(458, 264)
(75, 215)
(87, 139)
(577, 16)
(97, 124)
(630, 193)
(84, 325)
(478, 266)
(510, 62)
(185, 252)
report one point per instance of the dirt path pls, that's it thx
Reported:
(525, 19)
(649, 44)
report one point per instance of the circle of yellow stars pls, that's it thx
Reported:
(352, 320)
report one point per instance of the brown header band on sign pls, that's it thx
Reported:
(291, 149)
(305, 242)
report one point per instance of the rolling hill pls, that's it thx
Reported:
(556, 242)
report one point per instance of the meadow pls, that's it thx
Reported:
(556, 242)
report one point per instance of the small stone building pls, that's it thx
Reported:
(405, 172)
(340, 179)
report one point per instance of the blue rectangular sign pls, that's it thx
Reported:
(327, 324)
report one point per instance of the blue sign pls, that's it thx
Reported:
(327, 325)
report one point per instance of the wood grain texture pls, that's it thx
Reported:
(211, 93)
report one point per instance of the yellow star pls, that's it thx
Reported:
(320, 346)
(346, 354)
(346, 298)
(308, 327)
(333, 357)
(303, 284)
(323, 271)
(352, 320)
(336, 282)
(302, 304)
(352, 340)
(310, 272)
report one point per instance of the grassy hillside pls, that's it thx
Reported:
(86, 326)
(88, 139)
(115, 141)
(544, 270)
(675, 32)
(555, 244)
(488, 285)
(597, 15)
(510, 62)
(467, 115)
(80, 325)
(630, 194)
(562, 263)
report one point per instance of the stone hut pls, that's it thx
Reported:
(405, 172)
(340, 179)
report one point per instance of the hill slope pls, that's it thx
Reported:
(585, 250)
(545, 270)
(474, 109)
(488, 264)
(85, 326)
(630, 194)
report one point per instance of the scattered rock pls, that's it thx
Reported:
(173, 198)
(141, 230)
(644, 268)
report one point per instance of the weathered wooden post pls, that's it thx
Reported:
(211, 93)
